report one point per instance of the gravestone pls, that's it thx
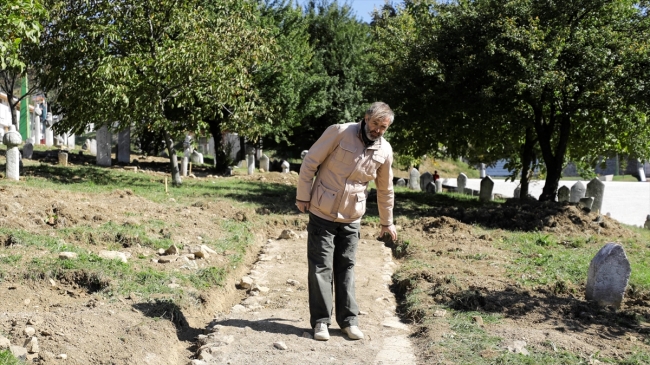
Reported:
(425, 179)
(303, 154)
(71, 139)
(577, 192)
(123, 146)
(196, 157)
(563, 194)
(93, 147)
(438, 186)
(487, 186)
(646, 225)
(596, 190)
(285, 167)
(641, 171)
(401, 182)
(63, 159)
(49, 134)
(481, 171)
(250, 161)
(12, 140)
(461, 183)
(608, 276)
(103, 146)
(264, 163)
(430, 187)
(185, 161)
(586, 203)
(517, 193)
(28, 151)
(414, 179)
(86, 145)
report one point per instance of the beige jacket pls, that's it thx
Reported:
(345, 166)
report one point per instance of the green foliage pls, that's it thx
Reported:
(6, 358)
(21, 24)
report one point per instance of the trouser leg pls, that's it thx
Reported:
(320, 254)
(345, 249)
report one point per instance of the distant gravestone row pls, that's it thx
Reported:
(589, 197)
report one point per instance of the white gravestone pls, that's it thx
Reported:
(12, 140)
(425, 179)
(438, 186)
(103, 146)
(596, 190)
(563, 194)
(63, 159)
(481, 171)
(642, 171)
(196, 157)
(285, 167)
(264, 163)
(517, 192)
(461, 182)
(124, 146)
(49, 134)
(487, 186)
(430, 187)
(586, 203)
(609, 273)
(414, 180)
(401, 182)
(71, 140)
(577, 192)
(28, 151)
(184, 163)
(93, 147)
(250, 161)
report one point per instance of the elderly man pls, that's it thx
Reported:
(347, 157)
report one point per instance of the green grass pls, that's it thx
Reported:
(6, 358)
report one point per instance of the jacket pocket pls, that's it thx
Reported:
(359, 206)
(346, 153)
(326, 199)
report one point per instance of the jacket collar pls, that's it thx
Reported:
(374, 146)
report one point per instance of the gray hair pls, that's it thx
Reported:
(380, 110)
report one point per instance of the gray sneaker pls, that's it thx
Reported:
(353, 332)
(321, 333)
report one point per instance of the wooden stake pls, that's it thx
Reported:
(165, 184)
(190, 168)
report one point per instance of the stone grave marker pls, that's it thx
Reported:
(285, 167)
(185, 161)
(461, 183)
(414, 180)
(28, 151)
(12, 140)
(578, 191)
(517, 193)
(608, 276)
(596, 190)
(563, 194)
(124, 146)
(430, 187)
(63, 158)
(196, 157)
(250, 161)
(93, 147)
(264, 163)
(481, 171)
(586, 203)
(425, 179)
(487, 187)
(103, 146)
(401, 182)
(438, 186)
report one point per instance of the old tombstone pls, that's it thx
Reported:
(461, 183)
(124, 146)
(596, 190)
(93, 147)
(646, 225)
(438, 186)
(250, 161)
(185, 161)
(63, 159)
(430, 187)
(414, 179)
(641, 171)
(481, 171)
(586, 203)
(49, 134)
(577, 192)
(563, 194)
(12, 140)
(104, 146)
(608, 276)
(70, 140)
(285, 167)
(425, 179)
(196, 157)
(401, 182)
(28, 151)
(264, 163)
(517, 193)
(487, 186)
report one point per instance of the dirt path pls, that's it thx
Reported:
(248, 333)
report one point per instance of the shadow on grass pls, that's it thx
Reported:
(167, 309)
(81, 175)
(270, 197)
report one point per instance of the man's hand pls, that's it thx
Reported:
(390, 230)
(303, 207)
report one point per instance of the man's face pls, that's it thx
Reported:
(376, 128)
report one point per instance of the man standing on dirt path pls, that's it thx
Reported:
(347, 157)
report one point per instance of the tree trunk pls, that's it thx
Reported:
(221, 161)
(553, 157)
(173, 160)
(527, 159)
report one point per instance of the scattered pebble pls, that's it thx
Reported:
(280, 345)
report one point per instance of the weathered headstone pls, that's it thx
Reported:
(609, 273)
(641, 171)
(461, 183)
(285, 167)
(646, 225)
(250, 161)
(586, 203)
(401, 182)
(425, 179)
(49, 134)
(196, 157)
(430, 187)
(70, 139)
(184, 165)
(93, 147)
(438, 186)
(103, 146)
(481, 171)
(28, 151)
(517, 193)
(414, 180)
(577, 192)
(264, 163)
(487, 186)
(63, 159)
(12, 140)
(124, 146)
(596, 190)
(563, 194)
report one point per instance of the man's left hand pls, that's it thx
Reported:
(390, 230)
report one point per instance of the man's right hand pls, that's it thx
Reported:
(303, 207)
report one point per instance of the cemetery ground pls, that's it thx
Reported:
(497, 283)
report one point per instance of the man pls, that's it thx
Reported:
(347, 157)
(435, 176)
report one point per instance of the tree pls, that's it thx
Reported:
(165, 66)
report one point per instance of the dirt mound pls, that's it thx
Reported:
(515, 215)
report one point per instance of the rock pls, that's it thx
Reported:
(166, 259)
(172, 250)
(113, 255)
(288, 234)
(293, 282)
(440, 313)
(4, 343)
(205, 356)
(29, 331)
(478, 320)
(246, 282)
(161, 251)
(32, 345)
(280, 345)
(197, 362)
(19, 352)
(27, 301)
(207, 249)
(259, 289)
(519, 347)
(239, 309)
(62, 356)
(35, 320)
(68, 255)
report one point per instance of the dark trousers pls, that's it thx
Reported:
(331, 256)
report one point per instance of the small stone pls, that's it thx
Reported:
(205, 356)
(62, 356)
(172, 250)
(52, 282)
(161, 251)
(19, 352)
(4, 343)
(35, 320)
(478, 320)
(27, 301)
(68, 255)
(174, 285)
(440, 313)
(280, 345)
(238, 308)
(32, 345)
(246, 282)
(260, 289)
(363, 313)
(207, 249)
(29, 331)
(293, 282)
(166, 259)
(197, 362)
(113, 255)
(190, 256)
(519, 347)
(288, 234)
(633, 339)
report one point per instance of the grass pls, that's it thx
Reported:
(6, 358)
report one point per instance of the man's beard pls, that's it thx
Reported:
(370, 136)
